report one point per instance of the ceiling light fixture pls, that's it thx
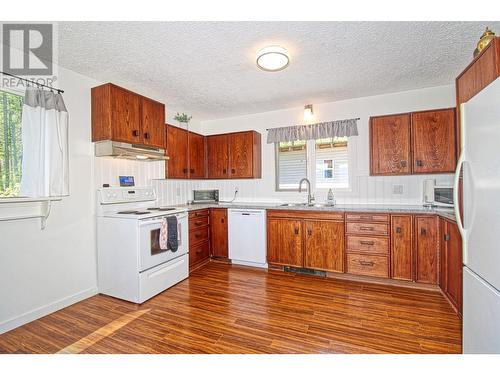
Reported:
(273, 58)
(308, 112)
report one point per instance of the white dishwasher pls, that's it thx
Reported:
(247, 237)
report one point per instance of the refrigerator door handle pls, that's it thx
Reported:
(461, 161)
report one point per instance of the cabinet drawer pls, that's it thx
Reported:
(377, 229)
(367, 217)
(368, 265)
(199, 252)
(196, 222)
(198, 235)
(198, 213)
(375, 245)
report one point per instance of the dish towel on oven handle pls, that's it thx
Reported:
(168, 234)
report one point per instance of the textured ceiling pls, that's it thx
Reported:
(208, 68)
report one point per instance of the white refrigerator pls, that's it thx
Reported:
(480, 229)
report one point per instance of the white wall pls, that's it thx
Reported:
(365, 189)
(42, 271)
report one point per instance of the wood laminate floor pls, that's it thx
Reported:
(231, 309)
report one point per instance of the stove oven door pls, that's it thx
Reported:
(151, 254)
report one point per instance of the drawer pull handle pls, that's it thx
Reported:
(309, 232)
(366, 228)
(200, 250)
(198, 223)
(371, 243)
(296, 230)
(365, 263)
(197, 235)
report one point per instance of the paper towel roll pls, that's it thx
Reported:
(429, 190)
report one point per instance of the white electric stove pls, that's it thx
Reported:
(131, 264)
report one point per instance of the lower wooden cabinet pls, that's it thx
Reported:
(402, 247)
(451, 262)
(324, 245)
(199, 237)
(427, 249)
(284, 241)
(218, 232)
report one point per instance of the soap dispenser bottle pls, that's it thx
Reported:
(330, 199)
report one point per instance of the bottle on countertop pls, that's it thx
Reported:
(330, 198)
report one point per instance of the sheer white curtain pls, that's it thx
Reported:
(45, 144)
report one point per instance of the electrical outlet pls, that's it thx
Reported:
(397, 189)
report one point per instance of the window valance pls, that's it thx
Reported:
(330, 129)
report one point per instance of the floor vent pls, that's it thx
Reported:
(305, 271)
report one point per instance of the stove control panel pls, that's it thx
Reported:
(126, 194)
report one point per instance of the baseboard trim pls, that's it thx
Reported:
(42, 311)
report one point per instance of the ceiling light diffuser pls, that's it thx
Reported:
(273, 58)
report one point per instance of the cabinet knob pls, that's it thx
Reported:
(296, 230)
(233, 170)
(185, 170)
(309, 232)
(191, 170)
(224, 171)
(446, 237)
(222, 220)
(423, 231)
(403, 163)
(398, 229)
(146, 135)
(419, 163)
(135, 133)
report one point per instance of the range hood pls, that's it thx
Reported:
(122, 150)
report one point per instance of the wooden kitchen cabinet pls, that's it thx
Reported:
(433, 141)
(451, 262)
(427, 249)
(324, 245)
(124, 116)
(218, 156)
(197, 155)
(402, 247)
(218, 232)
(284, 241)
(177, 151)
(390, 145)
(199, 238)
(234, 155)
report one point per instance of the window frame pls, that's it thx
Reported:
(311, 167)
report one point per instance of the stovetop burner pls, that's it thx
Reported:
(161, 208)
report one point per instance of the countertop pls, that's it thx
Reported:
(409, 209)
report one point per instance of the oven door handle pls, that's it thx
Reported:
(158, 221)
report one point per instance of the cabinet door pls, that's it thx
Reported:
(427, 249)
(218, 231)
(444, 235)
(390, 145)
(197, 152)
(241, 155)
(324, 245)
(284, 242)
(433, 141)
(454, 266)
(153, 123)
(177, 151)
(401, 247)
(125, 115)
(217, 156)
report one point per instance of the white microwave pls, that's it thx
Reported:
(443, 196)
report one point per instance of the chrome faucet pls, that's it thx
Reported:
(310, 197)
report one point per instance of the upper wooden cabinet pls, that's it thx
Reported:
(418, 142)
(177, 151)
(218, 156)
(197, 155)
(433, 141)
(234, 155)
(124, 116)
(479, 73)
(390, 145)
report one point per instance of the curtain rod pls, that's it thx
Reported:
(32, 82)
(357, 118)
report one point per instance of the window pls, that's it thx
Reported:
(327, 163)
(291, 164)
(332, 171)
(10, 144)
